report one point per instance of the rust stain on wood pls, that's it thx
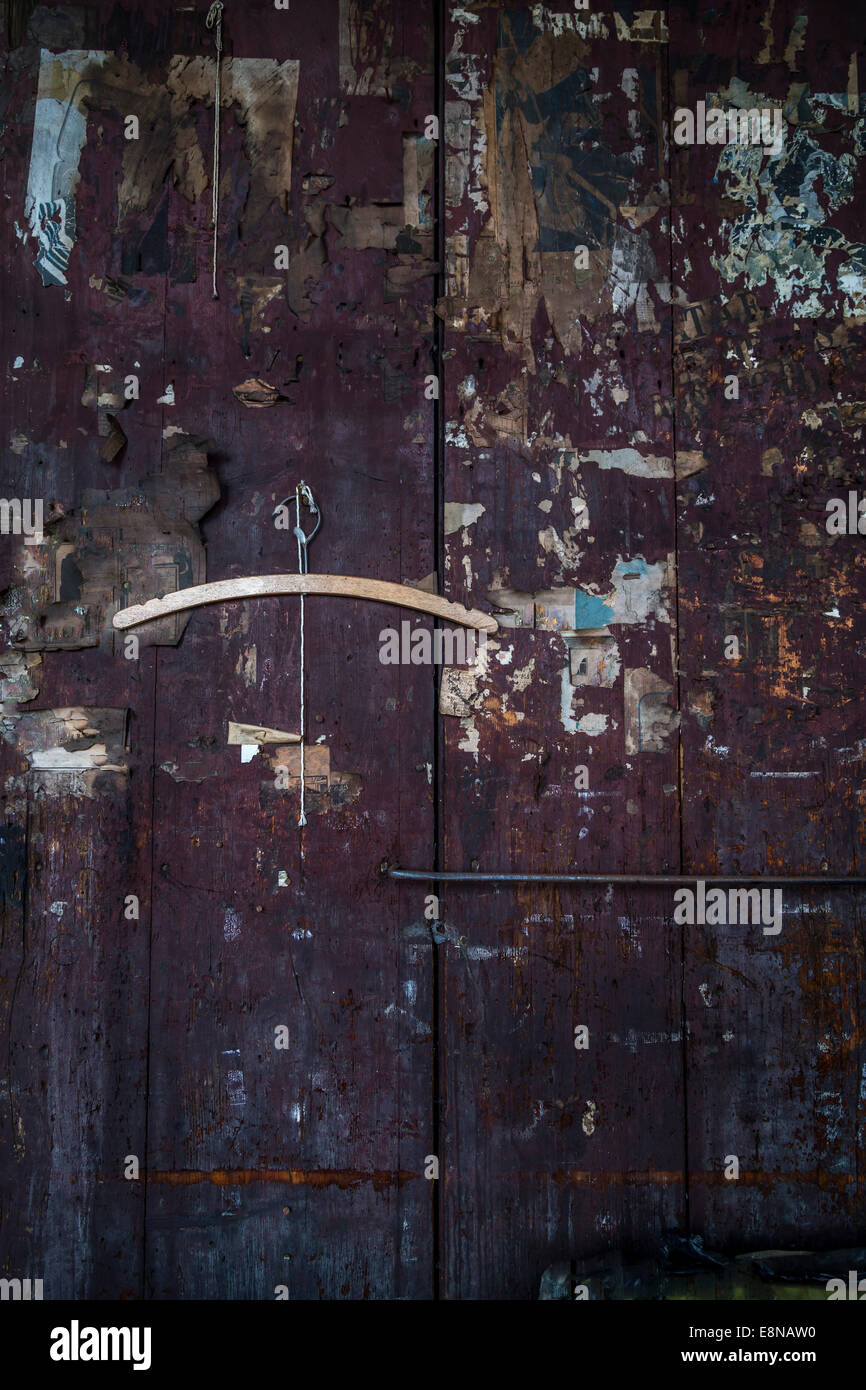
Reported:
(344, 1179)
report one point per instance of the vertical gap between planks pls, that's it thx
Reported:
(151, 912)
(684, 1043)
(438, 19)
(29, 798)
(151, 916)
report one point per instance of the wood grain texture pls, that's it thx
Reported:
(258, 924)
(579, 393)
(156, 1038)
(771, 740)
(286, 1037)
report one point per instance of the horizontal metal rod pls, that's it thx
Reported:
(434, 875)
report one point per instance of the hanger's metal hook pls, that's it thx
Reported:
(302, 495)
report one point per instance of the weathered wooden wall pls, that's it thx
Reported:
(583, 470)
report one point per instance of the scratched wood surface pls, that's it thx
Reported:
(260, 1167)
(772, 741)
(704, 1042)
(598, 492)
(546, 1145)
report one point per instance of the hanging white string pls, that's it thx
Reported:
(302, 569)
(215, 20)
(304, 494)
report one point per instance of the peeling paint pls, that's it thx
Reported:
(71, 751)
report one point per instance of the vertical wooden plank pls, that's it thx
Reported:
(74, 968)
(559, 509)
(76, 977)
(769, 352)
(298, 1171)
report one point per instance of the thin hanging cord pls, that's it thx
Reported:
(215, 19)
(302, 569)
(304, 494)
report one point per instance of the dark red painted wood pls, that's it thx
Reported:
(587, 445)
(547, 1149)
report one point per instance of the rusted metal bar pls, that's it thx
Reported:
(425, 875)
